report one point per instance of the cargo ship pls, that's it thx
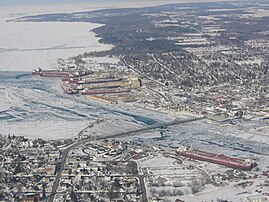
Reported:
(37, 72)
(55, 74)
(80, 87)
(50, 73)
(189, 152)
(59, 73)
(73, 80)
(99, 80)
(104, 91)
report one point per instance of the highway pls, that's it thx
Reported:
(65, 152)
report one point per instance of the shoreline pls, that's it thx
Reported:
(18, 61)
(28, 45)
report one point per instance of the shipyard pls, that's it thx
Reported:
(104, 85)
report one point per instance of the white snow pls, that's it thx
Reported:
(105, 60)
(46, 129)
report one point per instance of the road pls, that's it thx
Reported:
(65, 152)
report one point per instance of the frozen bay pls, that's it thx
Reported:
(37, 107)
(25, 46)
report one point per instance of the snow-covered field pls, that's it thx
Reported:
(105, 60)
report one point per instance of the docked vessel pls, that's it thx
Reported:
(73, 80)
(104, 91)
(37, 72)
(51, 73)
(189, 152)
(55, 74)
(98, 80)
(59, 73)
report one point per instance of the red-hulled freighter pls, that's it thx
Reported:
(189, 152)
(51, 73)
(59, 73)
(37, 72)
(73, 80)
(99, 80)
(105, 91)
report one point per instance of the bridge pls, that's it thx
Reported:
(116, 135)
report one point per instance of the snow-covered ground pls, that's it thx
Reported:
(105, 60)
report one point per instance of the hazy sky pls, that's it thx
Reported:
(37, 2)
(54, 6)
(44, 2)
(8, 7)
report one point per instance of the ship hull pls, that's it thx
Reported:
(104, 92)
(36, 73)
(99, 81)
(54, 75)
(217, 159)
(70, 80)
